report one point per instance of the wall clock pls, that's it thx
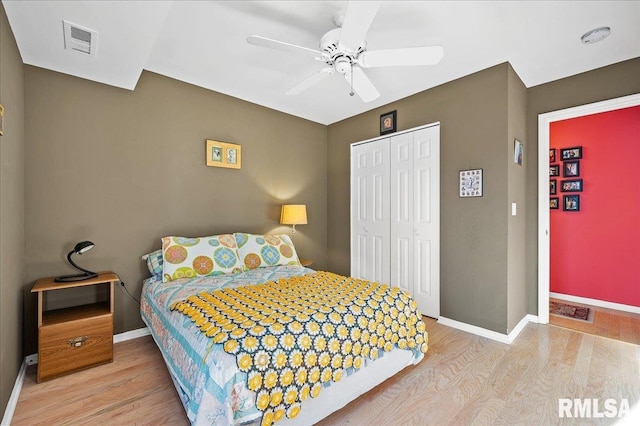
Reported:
(471, 183)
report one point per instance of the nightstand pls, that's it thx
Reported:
(77, 337)
(306, 262)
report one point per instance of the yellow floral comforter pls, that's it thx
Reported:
(295, 335)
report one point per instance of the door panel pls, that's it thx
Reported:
(370, 201)
(426, 172)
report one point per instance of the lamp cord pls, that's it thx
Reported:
(130, 295)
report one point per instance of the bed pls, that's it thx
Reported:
(188, 312)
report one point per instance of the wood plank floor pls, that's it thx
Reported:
(609, 323)
(464, 379)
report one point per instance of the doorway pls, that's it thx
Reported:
(544, 123)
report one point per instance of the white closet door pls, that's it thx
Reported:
(415, 228)
(370, 211)
(426, 220)
(402, 211)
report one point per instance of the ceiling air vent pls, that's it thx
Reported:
(80, 39)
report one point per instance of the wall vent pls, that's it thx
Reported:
(80, 39)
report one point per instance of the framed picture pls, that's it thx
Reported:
(552, 186)
(518, 152)
(388, 123)
(553, 203)
(571, 168)
(554, 170)
(471, 183)
(552, 155)
(574, 153)
(222, 154)
(574, 185)
(571, 203)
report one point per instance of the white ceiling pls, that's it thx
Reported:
(204, 43)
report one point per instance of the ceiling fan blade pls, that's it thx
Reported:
(356, 23)
(426, 55)
(281, 45)
(310, 81)
(362, 85)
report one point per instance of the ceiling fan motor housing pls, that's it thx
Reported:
(337, 56)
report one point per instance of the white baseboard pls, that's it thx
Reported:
(133, 334)
(490, 334)
(15, 395)
(33, 359)
(596, 302)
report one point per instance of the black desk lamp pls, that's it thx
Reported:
(81, 247)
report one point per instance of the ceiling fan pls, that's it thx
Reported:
(344, 50)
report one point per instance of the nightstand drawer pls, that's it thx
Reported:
(74, 345)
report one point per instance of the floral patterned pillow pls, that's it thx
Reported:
(191, 257)
(258, 251)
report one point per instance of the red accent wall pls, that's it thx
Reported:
(595, 253)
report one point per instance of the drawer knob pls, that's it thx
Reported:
(77, 341)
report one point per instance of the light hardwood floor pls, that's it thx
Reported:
(610, 323)
(464, 379)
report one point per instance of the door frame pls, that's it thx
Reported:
(544, 237)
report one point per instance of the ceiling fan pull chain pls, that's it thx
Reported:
(351, 93)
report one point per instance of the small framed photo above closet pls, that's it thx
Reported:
(388, 122)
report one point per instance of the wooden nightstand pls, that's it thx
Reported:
(77, 337)
(306, 262)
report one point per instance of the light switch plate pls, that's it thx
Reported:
(513, 209)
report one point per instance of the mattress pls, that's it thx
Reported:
(212, 388)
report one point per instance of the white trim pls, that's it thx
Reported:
(490, 334)
(130, 335)
(33, 359)
(388, 135)
(544, 121)
(596, 302)
(15, 395)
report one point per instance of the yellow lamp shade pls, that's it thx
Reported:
(293, 214)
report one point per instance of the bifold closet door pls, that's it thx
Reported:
(370, 211)
(415, 216)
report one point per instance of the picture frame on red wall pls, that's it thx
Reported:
(571, 203)
(552, 186)
(571, 168)
(554, 170)
(553, 203)
(552, 155)
(571, 185)
(574, 153)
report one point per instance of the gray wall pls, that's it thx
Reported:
(125, 168)
(610, 82)
(516, 251)
(12, 239)
(121, 168)
(475, 133)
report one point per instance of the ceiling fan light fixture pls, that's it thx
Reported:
(342, 65)
(595, 35)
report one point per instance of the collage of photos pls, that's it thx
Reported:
(570, 165)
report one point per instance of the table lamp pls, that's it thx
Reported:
(80, 248)
(293, 214)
